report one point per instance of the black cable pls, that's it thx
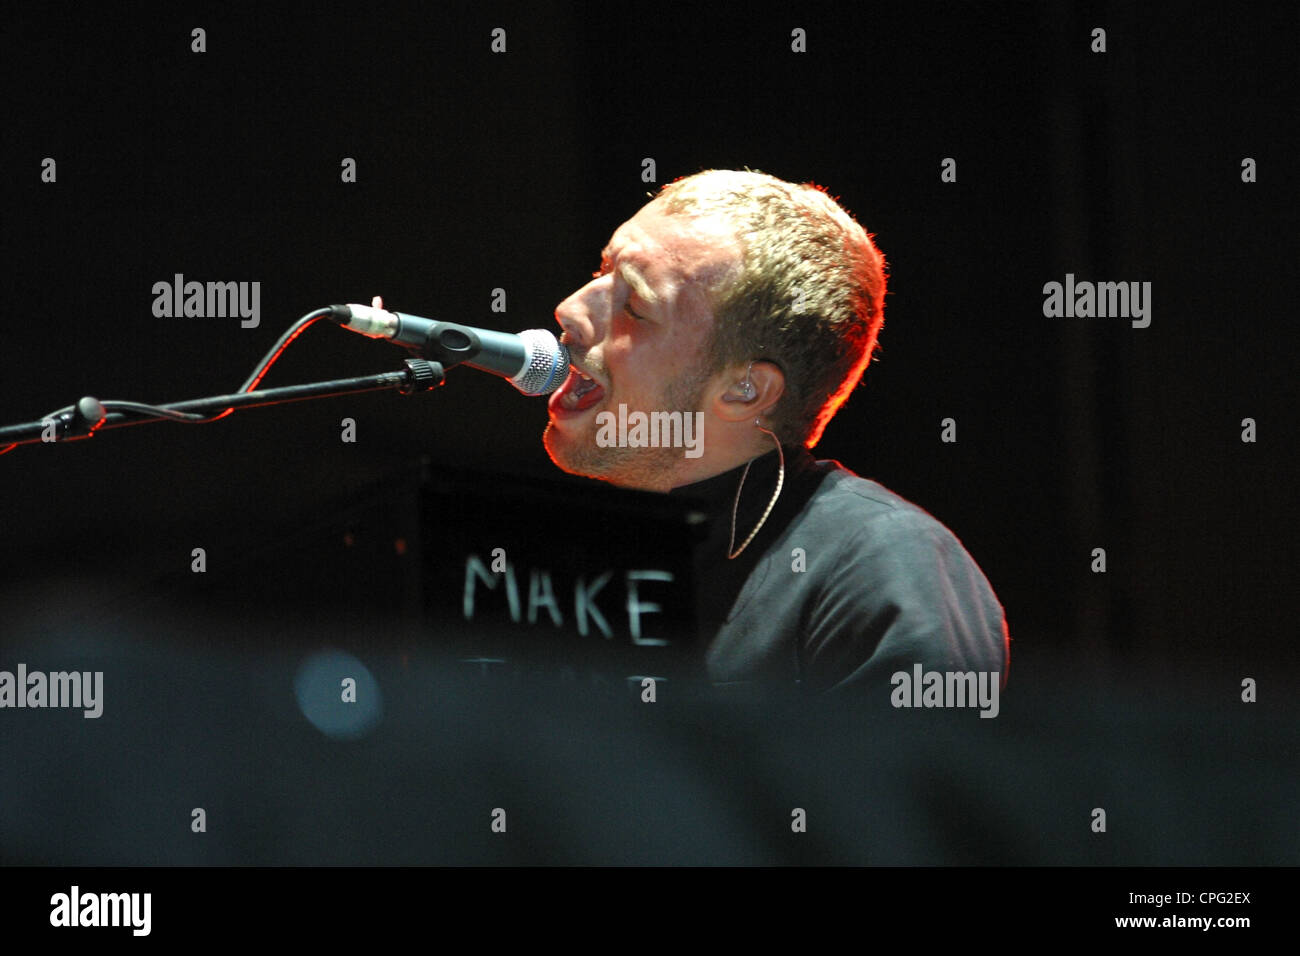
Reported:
(155, 411)
(193, 418)
(273, 355)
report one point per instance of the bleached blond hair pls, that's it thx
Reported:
(809, 295)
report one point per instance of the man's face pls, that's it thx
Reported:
(639, 330)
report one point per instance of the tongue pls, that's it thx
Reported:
(590, 397)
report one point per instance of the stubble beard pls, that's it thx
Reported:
(651, 469)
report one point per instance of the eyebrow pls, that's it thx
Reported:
(632, 276)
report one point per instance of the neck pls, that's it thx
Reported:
(726, 459)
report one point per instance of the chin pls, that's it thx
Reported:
(639, 468)
(557, 448)
(572, 453)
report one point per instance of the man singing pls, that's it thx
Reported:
(757, 303)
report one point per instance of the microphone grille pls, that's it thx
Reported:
(547, 366)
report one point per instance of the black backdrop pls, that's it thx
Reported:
(478, 170)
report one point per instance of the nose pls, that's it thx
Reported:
(584, 315)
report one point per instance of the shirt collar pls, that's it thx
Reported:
(718, 493)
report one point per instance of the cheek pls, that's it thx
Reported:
(643, 362)
(640, 371)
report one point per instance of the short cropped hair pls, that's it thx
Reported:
(809, 295)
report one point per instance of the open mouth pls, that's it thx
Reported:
(578, 393)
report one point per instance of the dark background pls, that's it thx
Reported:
(478, 171)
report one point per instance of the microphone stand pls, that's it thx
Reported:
(89, 415)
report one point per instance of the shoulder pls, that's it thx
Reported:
(863, 513)
(897, 573)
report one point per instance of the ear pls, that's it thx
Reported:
(733, 402)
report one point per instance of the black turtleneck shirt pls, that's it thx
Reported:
(845, 584)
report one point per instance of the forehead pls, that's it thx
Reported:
(673, 250)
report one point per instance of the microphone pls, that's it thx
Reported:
(533, 360)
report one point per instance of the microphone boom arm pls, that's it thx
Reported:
(90, 415)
